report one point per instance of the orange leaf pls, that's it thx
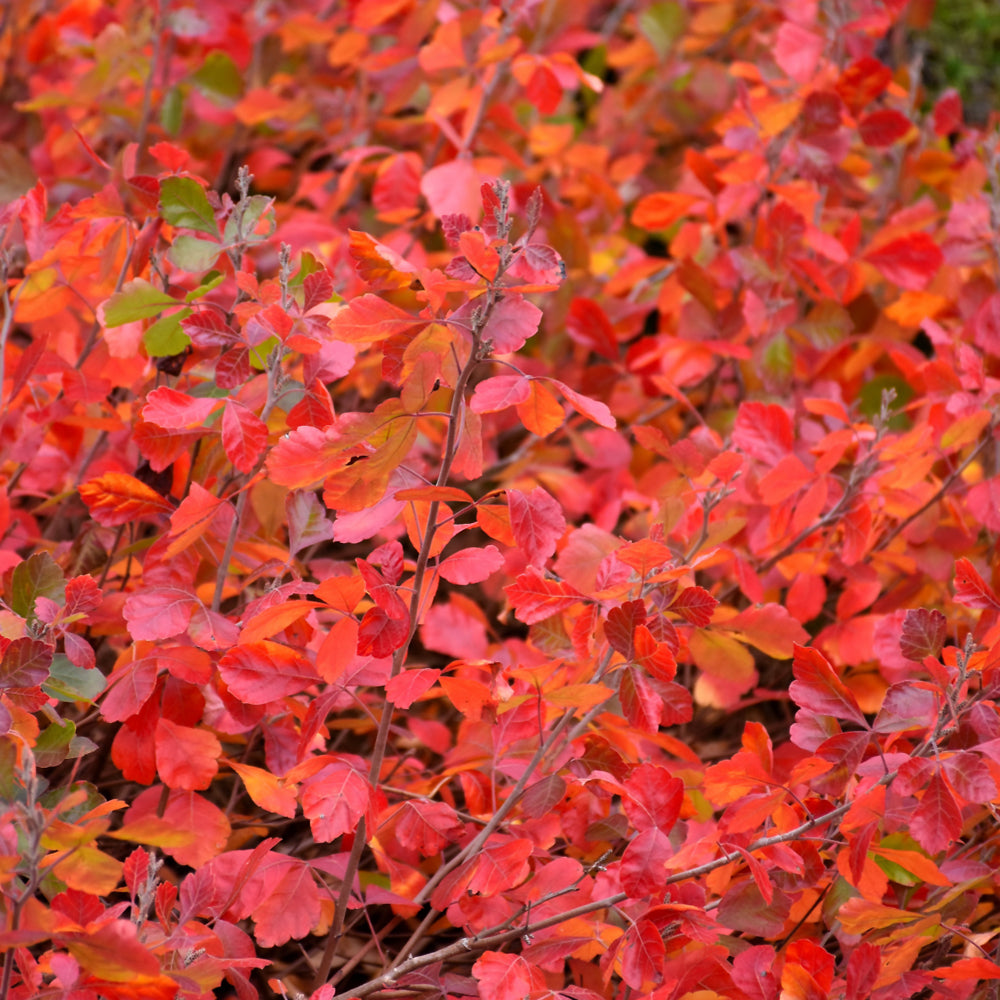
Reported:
(117, 498)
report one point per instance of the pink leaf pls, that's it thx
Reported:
(537, 522)
(797, 51)
(244, 436)
(453, 189)
(406, 687)
(175, 410)
(497, 393)
(471, 565)
(512, 322)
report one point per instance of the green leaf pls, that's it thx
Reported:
(165, 337)
(38, 576)
(253, 212)
(183, 203)
(138, 299)
(209, 282)
(260, 353)
(68, 682)
(218, 78)
(60, 741)
(190, 253)
(662, 24)
(172, 111)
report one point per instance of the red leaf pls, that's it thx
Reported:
(948, 115)
(317, 288)
(883, 127)
(129, 691)
(975, 969)
(471, 565)
(764, 431)
(511, 323)
(971, 589)
(175, 410)
(497, 393)
(452, 188)
(117, 498)
(642, 954)
(923, 634)
(291, 906)
(862, 82)
(640, 702)
(380, 634)
(753, 972)
(383, 593)
(643, 867)
(264, 671)
(506, 977)
(759, 874)
(621, 625)
(908, 705)
(244, 436)
(502, 864)
(863, 968)
(743, 909)
(654, 798)
(937, 820)
(406, 687)
(696, 605)
(537, 522)
(588, 324)
(159, 612)
(186, 757)
(427, 827)
(909, 261)
(333, 799)
(25, 663)
(818, 689)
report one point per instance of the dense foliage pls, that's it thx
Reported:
(496, 500)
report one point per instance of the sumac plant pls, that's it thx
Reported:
(496, 500)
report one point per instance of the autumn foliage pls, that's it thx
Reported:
(496, 500)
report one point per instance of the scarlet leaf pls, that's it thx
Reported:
(591, 408)
(971, 589)
(696, 605)
(621, 625)
(186, 757)
(909, 261)
(535, 598)
(643, 953)
(305, 456)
